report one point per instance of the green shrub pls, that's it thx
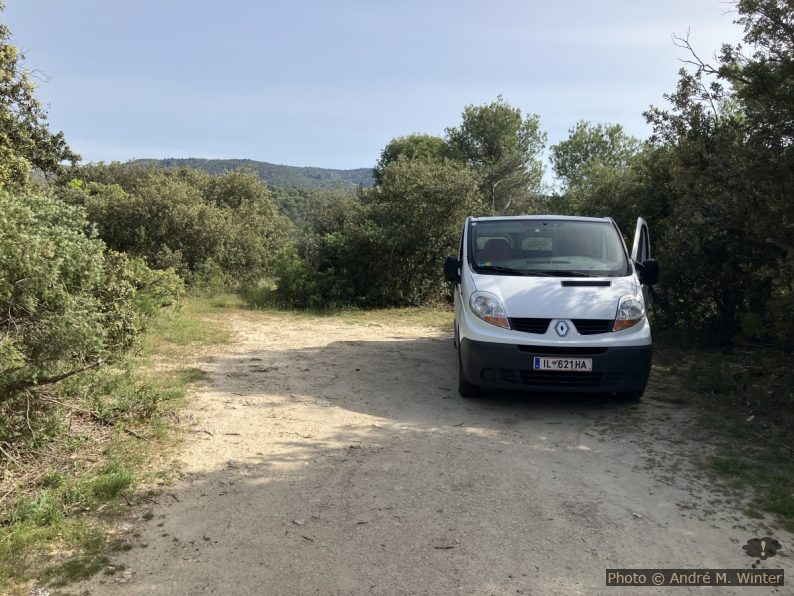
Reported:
(208, 279)
(420, 207)
(113, 479)
(384, 246)
(215, 231)
(51, 285)
(45, 509)
(65, 302)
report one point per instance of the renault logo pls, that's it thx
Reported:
(561, 328)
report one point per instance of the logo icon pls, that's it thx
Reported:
(761, 548)
(561, 328)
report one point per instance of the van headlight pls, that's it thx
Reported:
(489, 308)
(631, 310)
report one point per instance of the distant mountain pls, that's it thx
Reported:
(273, 174)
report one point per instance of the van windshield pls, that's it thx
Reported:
(558, 248)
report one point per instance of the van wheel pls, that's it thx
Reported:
(465, 388)
(632, 396)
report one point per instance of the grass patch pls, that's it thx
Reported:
(260, 297)
(263, 298)
(195, 323)
(115, 479)
(76, 451)
(747, 396)
(436, 318)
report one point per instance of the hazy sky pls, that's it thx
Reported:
(330, 83)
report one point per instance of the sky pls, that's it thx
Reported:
(329, 84)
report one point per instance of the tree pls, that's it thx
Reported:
(503, 149)
(725, 151)
(589, 150)
(232, 189)
(763, 88)
(413, 146)
(384, 247)
(420, 206)
(763, 81)
(25, 139)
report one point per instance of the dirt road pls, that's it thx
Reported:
(336, 458)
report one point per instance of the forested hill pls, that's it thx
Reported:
(273, 174)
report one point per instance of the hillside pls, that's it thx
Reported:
(273, 174)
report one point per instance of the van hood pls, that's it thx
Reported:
(547, 298)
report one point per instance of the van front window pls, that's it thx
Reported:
(547, 248)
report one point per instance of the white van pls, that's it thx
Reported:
(552, 303)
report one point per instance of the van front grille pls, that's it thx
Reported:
(530, 325)
(592, 326)
(567, 380)
(561, 379)
(568, 351)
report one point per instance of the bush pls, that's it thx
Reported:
(384, 246)
(419, 207)
(333, 261)
(187, 220)
(65, 302)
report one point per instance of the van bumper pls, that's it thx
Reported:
(620, 369)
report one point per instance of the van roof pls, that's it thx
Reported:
(545, 217)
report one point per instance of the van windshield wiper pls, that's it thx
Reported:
(512, 271)
(562, 273)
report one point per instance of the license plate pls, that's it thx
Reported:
(566, 364)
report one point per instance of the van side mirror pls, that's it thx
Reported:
(648, 272)
(451, 266)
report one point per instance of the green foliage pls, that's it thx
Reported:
(714, 182)
(414, 146)
(746, 398)
(385, 246)
(49, 516)
(208, 279)
(590, 153)
(25, 140)
(75, 457)
(420, 207)
(300, 204)
(762, 80)
(175, 329)
(114, 479)
(333, 260)
(51, 281)
(725, 148)
(503, 148)
(64, 301)
(155, 289)
(215, 231)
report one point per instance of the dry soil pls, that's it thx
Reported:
(329, 457)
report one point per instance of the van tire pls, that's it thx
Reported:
(632, 396)
(465, 388)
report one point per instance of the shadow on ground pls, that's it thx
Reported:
(355, 468)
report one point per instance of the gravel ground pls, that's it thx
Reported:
(336, 458)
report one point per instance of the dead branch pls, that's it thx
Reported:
(53, 379)
(10, 458)
(93, 415)
(684, 43)
(701, 66)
